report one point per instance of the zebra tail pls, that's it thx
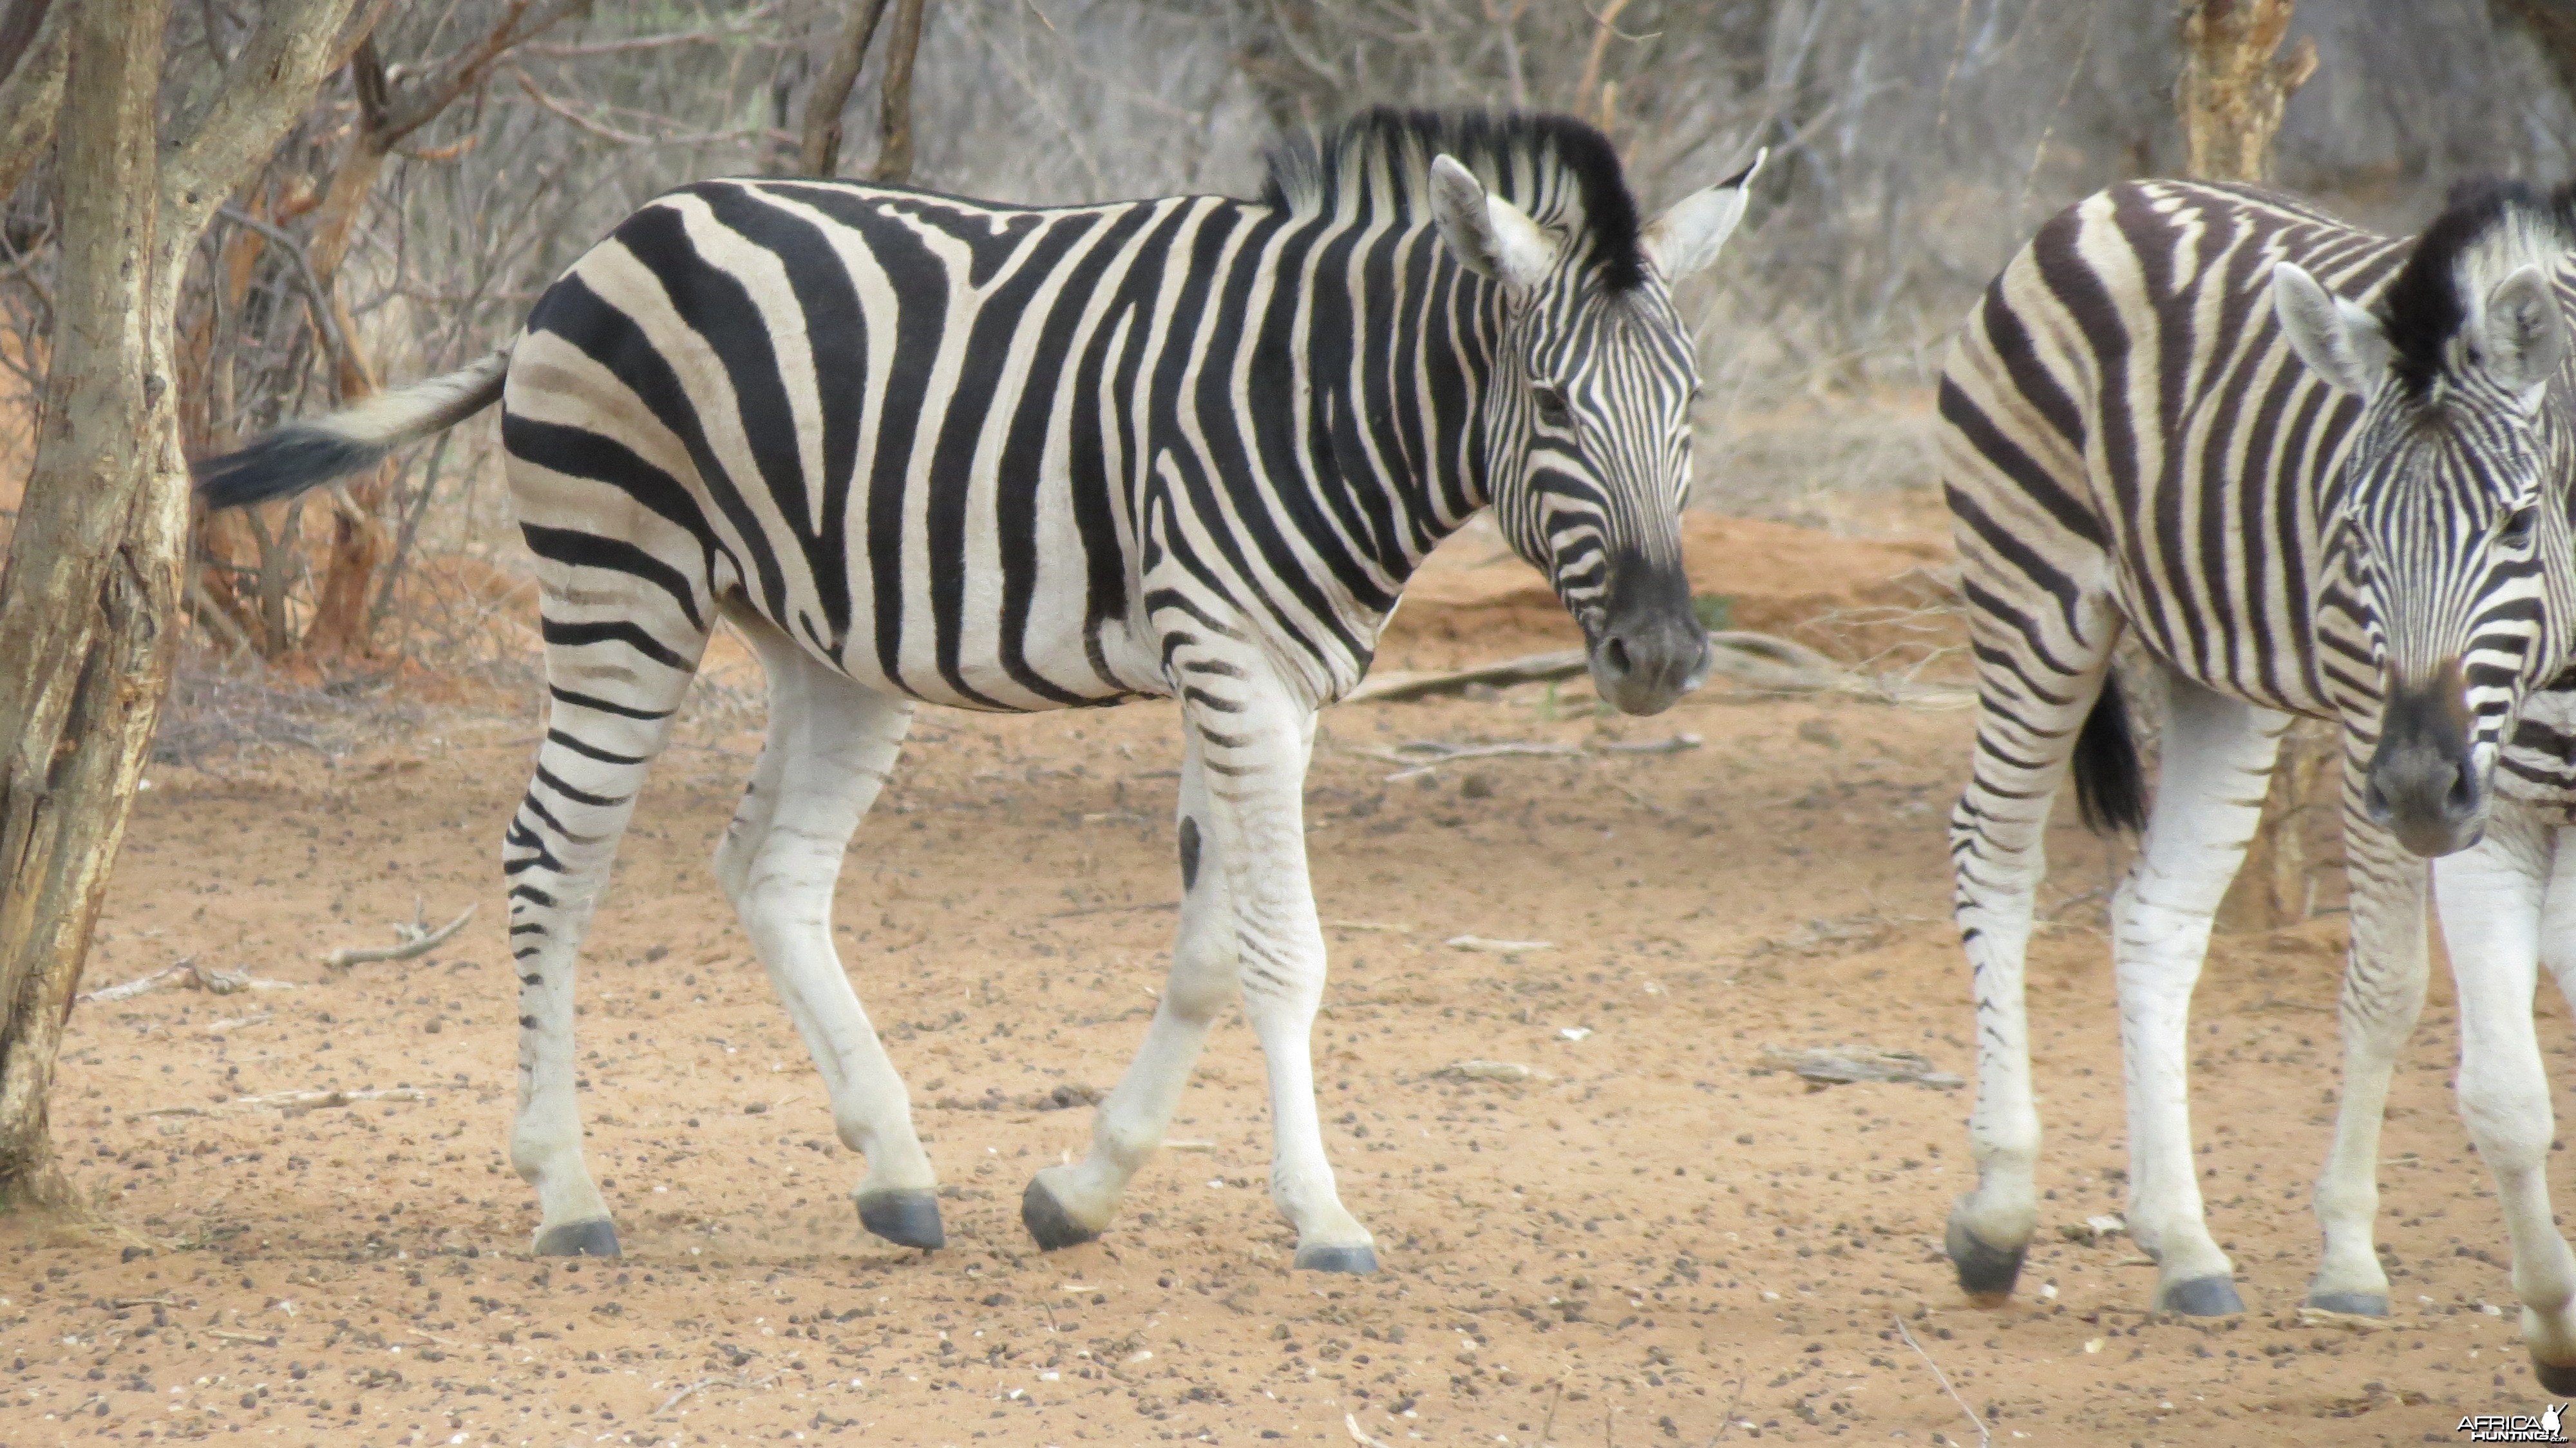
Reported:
(308, 453)
(2110, 781)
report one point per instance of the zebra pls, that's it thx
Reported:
(922, 449)
(2316, 472)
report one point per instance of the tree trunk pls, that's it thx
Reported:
(821, 153)
(85, 603)
(903, 43)
(89, 601)
(2233, 86)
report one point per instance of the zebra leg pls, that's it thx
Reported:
(829, 748)
(1075, 1203)
(2217, 759)
(2036, 685)
(2383, 995)
(609, 714)
(1252, 744)
(2491, 898)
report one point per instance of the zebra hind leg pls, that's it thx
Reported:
(2218, 755)
(830, 746)
(1065, 1205)
(608, 716)
(2494, 899)
(2383, 995)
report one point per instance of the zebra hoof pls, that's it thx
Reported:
(907, 1219)
(1048, 1222)
(1986, 1274)
(2356, 1304)
(594, 1238)
(1359, 1261)
(2558, 1380)
(2202, 1297)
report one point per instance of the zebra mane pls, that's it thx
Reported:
(2488, 229)
(1563, 173)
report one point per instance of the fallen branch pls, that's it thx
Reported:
(1823, 1066)
(412, 939)
(262, 1339)
(1985, 1435)
(1496, 947)
(1758, 660)
(189, 975)
(1412, 756)
(299, 1102)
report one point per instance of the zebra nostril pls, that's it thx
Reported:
(2374, 802)
(1615, 654)
(2462, 800)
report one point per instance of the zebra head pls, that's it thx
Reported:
(1587, 413)
(2450, 529)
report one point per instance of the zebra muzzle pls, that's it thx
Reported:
(2423, 779)
(1651, 649)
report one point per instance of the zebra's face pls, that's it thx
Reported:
(2453, 538)
(1588, 424)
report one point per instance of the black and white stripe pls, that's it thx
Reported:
(924, 449)
(2315, 471)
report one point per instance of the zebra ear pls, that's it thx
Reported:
(1687, 235)
(1490, 236)
(2526, 337)
(2342, 342)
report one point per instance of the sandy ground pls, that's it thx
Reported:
(1650, 1239)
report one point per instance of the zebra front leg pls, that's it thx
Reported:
(2383, 995)
(2217, 755)
(829, 749)
(1075, 1203)
(2042, 677)
(2490, 897)
(1253, 744)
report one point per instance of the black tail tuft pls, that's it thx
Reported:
(282, 464)
(2110, 782)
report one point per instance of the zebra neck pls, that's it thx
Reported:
(1401, 364)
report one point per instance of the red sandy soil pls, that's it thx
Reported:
(1650, 1240)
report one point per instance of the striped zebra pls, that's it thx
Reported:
(925, 449)
(2317, 472)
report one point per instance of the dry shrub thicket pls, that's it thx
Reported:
(1915, 144)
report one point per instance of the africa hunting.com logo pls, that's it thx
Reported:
(2543, 1427)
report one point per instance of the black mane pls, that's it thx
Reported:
(2422, 307)
(1559, 170)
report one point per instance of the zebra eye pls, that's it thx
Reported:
(1551, 406)
(2516, 532)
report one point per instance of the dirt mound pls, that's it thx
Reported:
(1856, 599)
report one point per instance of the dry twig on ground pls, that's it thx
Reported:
(412, 939)
(186, 973)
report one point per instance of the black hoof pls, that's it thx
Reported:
(907, 1219)
(1358, 1261)
(2558, 1380)
(595, 1238)
(2202, 1297)
(2358, 1304)
(1047, 1221)
(1986, 1274)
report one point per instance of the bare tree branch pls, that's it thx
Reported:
(903, 45)
(821, 154)
(32, 52)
